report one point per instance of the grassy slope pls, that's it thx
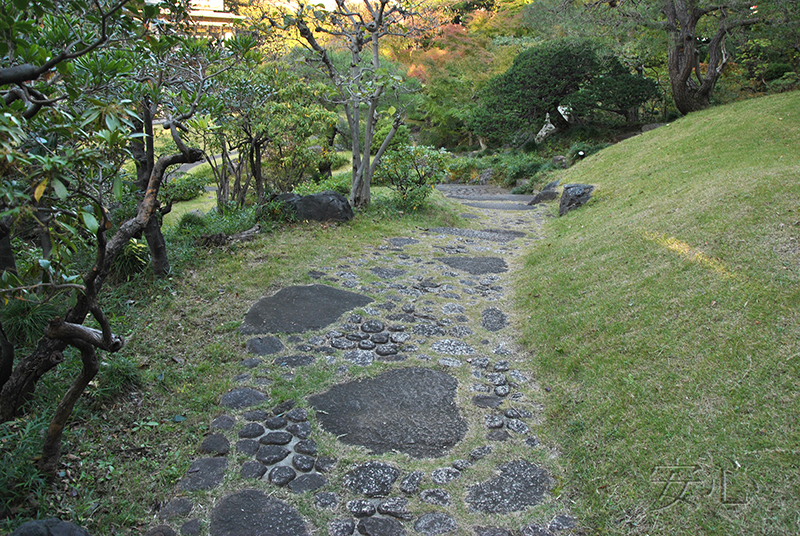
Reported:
(664, 317)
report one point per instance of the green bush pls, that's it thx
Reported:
(133, 259)
(507, 168)
(183, 187)
(275, 211)
(339, 183)
(192, 221)
(412, 172)
(24, 320)
(574, 153)
(21, 483)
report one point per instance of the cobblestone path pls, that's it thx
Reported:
(431, 425)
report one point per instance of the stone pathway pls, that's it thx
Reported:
(430, 426)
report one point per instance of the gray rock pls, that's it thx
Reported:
(517, 426)
(341, 527)
(193, 527)
(410, 483)
(476, 265)
(251, 430)
(325, 464)
(493, 319)
(361, 508)
(436, 496)
(496, 378)
(255, 415)
(161, 530)
(300, 430)
(395, 507)
(323, 206)
(264, 345)
(307, 447)
(462, 465)
(276, 423)
(223, 422)
(574, 196)
(251, 362)
(307, 482)
(372, 326)
(326, 499)
(494, 422)
(253, 469)
(303, 463)
(242, 397)
(452, 347)
(247, 446)
(379, 338)
(387, 273)
(343, 344)
(373, 479)
(204, 474)
(282, 475)
(502, 390)
(492, 531)
(278, 437)
(176, 508)
(478, 453)
(216, 444)
(434, 523)
(49, 527)
(380, 526)
(298, 360)
(272, 454)
(300, 308)
(562, 522)
(361, 358)
(428, 330)
(520, 484)
(535, 530)
(252, 513)
(413, 408)
(443, 475)
(400, 242)
(487, 401)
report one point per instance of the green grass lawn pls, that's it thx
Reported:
(663, 317)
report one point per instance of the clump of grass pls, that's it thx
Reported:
(663, 318)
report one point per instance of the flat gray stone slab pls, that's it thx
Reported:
(264, 345)
(434, 523)
(493, 319)
(252, 513)
(519, 485)
(452, 347)
(387, 273)
(501, 206)
(299, 309)
(476, 265)
(244, 397)
(402, 241)
(492, 235)
(204, 474)
(410, 410)
(380, 526)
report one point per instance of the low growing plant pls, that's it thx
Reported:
(412, 172)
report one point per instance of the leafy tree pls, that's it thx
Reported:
(364, 82)
(555, 76)
(66, 129)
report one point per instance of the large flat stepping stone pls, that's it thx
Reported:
(243, 397)
(252, 513)
(493, 319)
(476, 265)
(301, 308)
(410, 410)
(264, 345)
(520, 484)
(204, 474)
(492, 235)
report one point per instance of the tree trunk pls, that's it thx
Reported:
(6, 357)
(159, 260)
(7, 261)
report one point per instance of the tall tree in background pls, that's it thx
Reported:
(363, 83)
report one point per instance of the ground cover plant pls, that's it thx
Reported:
(133, 433)
(663, 319)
